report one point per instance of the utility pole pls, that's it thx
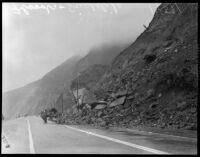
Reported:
(58, 102)
(62, 94)
(62, 102)
(46, 105)
(77, 90)
(77, 96)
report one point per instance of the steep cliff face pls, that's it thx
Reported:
(158, 74)
(170, 39)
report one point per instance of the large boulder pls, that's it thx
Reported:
(119, 94)
(100, 106)
(118, 101)
(94, 104)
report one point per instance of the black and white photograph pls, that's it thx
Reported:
(99, 78)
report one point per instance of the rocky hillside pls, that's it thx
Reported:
(154, 81)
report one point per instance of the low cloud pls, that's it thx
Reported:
(37, 43)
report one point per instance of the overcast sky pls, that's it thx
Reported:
(38, 37)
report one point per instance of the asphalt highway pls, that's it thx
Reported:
(29, 135)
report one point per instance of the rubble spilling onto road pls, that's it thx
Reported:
(127, 111)
(154, 82)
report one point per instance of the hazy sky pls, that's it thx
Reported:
(38, 37)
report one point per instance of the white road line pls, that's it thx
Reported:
(121, 142)
(32, 150)
(163, 134)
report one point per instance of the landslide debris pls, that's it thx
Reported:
(154, 82)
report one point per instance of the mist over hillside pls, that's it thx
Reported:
(101, 54)
(46, 92)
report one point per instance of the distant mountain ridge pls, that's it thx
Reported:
(34, 97)
(43, 93)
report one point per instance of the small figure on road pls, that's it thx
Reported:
(44, 115)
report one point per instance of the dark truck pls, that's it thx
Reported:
(52, 114)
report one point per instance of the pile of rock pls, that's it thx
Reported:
(131, 109)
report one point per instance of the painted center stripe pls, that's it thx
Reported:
(121, 142)
(32, 150)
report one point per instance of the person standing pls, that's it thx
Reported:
(44, 115)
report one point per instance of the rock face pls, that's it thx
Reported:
(159, 71)
(160, 66)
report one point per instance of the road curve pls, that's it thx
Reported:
(31, 135)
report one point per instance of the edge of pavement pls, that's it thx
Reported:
(180, 134)
(175, 133)
(183, 134)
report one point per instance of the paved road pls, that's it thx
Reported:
(31, 135)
